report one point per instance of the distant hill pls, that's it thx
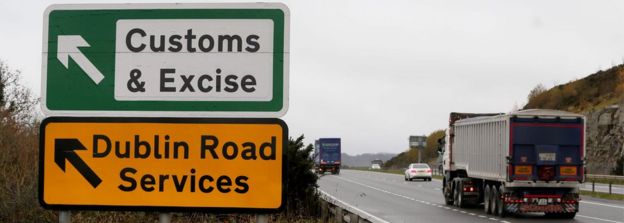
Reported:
(364, 160)
(595, 91)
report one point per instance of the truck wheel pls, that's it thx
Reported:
(455, 194)
(446, 192)
(460, 195)
(486, 199)
(448, 200)
(405, 178)
(493, 195)
(500, 205)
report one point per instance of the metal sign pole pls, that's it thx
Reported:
(164, 218)
(262, 218)
(64, 217)
(419, 156)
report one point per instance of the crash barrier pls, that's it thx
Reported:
(606, 179)
(337, 211)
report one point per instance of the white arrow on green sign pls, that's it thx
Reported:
(219, 60)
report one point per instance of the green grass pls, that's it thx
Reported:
(602, 195)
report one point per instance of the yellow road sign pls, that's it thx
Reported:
(156, 163)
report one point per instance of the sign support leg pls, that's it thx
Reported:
(419, 156)
(64, 217)
(164, 218)
(262, 218)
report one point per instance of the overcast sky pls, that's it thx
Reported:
(375, 72)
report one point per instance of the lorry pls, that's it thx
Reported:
(327, 155)
(522, 162)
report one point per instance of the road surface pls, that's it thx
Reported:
(391, 199)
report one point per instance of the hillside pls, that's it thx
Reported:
(599, 97)
(428, 154)
(364, 160)
(593, 92)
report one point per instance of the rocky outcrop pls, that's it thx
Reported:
(605, 138)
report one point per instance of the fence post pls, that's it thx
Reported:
(593, 186)
(610, 183)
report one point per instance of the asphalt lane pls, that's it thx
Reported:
(389, 197)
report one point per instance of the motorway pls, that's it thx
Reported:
(389, 198)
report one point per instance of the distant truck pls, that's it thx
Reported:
(327, 155)
(526, 161)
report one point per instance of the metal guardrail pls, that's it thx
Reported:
(604, 177)
(609, 178)
(337, 211)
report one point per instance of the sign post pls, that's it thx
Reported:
(418, 142)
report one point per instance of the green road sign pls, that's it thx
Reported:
(219, 60)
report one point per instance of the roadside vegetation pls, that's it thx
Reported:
(595, 91)
(19, 156)
(428, 155)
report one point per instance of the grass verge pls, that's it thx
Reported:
(602, 195)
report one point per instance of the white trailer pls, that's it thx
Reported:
(526, 161)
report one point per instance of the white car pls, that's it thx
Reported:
(375, 167)
(418, 171)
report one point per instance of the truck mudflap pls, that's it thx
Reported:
(550, 208)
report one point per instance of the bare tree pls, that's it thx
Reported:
(537, 90)
(16, 101)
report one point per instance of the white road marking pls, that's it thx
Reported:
(600, 219)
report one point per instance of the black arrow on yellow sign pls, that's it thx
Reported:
(64, 150)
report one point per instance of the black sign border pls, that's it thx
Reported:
(62, 207)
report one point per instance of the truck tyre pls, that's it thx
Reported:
(455, 193)
(460, 195)
(405, 177)
(486, 199)
(493, 195)
(500, 204)
(445, 190)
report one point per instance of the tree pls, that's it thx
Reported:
(537, 90)
(16, 101)
(300, 180)
(619, 167)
